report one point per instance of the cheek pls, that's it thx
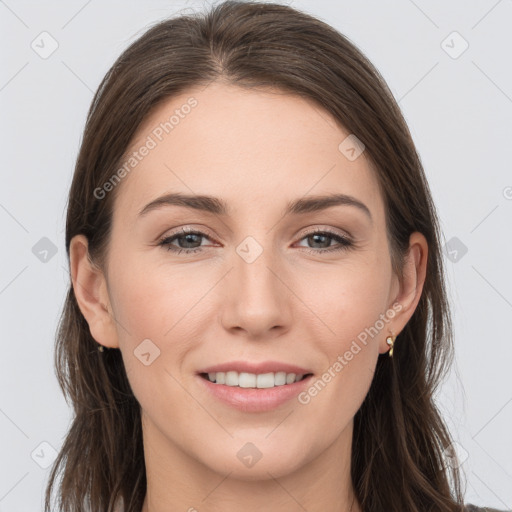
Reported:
(154, 307)
(351, 302)
(347, 298)
(165, 304)
(151, 300)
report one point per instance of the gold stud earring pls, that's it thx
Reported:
(100, 348)
(390, 340)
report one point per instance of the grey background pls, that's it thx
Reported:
(459, 110)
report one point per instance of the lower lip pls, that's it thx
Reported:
(255, 399)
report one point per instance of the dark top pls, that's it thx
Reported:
(474, 508)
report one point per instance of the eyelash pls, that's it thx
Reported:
(344, 242)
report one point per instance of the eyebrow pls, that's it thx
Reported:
(217, 206)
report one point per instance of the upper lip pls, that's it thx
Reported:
(257, 368)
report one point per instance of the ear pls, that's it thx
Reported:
(410, 286)
(91, 292)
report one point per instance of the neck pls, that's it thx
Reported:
(177, 481)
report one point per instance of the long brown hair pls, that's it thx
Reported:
(399, 436)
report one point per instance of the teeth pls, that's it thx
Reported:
(280, 378)
(247, 380)
(252, 380)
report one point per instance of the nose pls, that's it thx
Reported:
(256, 300)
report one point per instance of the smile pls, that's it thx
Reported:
(253, 380)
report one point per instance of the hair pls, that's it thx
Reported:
(399, 439)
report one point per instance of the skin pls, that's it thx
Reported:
(256, 150)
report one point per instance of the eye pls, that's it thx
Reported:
(189, 241)
(323, 238)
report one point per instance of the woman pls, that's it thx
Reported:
(257, 313)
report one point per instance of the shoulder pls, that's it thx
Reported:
(473, 508)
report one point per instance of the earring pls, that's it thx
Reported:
(390, 340)
(100, 348)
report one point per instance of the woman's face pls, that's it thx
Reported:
(256, 286)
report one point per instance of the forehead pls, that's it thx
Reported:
(248, 146)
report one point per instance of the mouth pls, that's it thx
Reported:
(254, 380)
(255, 387)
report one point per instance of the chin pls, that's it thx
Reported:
(248, 461)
